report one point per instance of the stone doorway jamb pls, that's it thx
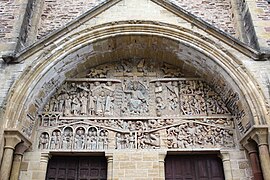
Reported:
(225, 157)
(109, 157)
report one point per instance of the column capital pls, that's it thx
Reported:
(11, 141)
(21, 148)
(162, 155)
(109, 156)
(45, 157)
(261, 137)
(224, 155)
(13, 137)
(259, 134)
(250, 146)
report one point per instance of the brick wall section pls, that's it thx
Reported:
(264, 15)
(57, 13)
(218, 12)
(260, 16)
(8, 16)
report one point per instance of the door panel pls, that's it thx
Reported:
(77, 168)
(193, 167)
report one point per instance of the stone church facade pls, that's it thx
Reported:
(134, 89)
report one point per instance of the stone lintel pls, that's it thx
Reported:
(259, 134)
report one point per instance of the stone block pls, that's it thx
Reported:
(150, 156)
(243, 164)
(135, 173)
(127, 165)
(34, 166)
(144, 165)
(24, 166)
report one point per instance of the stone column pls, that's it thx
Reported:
(161, 161)
(225, 156)
(251, 147)
(109, 157)
(10, 142)
(261, 138)
(18, 155)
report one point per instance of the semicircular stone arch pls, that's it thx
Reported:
(75, 55)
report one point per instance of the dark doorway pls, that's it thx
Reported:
(77, 168)
(193, 167)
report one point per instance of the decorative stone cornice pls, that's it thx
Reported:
(259, 134)
(13, 137)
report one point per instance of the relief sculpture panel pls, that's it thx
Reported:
(137, 104)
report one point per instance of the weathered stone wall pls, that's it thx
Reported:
(261, 19)
(133, 165)
(256, 16)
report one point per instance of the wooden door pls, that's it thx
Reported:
(77, 168)
(191, 167)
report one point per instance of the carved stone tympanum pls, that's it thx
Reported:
(138, 104)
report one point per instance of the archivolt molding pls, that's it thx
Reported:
(26, 89)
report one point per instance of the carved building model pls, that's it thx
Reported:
(134, 89)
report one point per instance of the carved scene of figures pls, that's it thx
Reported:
(195, 135)
(79, 139)
(141, 104)
(83, 99)
(137, 140)
(168, 97)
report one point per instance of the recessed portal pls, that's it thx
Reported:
(77, 168)
(193, 167)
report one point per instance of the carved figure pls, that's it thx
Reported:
(55, 140)
(137, 102)
(43, 141)
(61, 102)
(160, 106)
(92, 106)
(76, 105)
(148, 140)
(68, 102)
(118, 141)
(79, 139)
(84, 101)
